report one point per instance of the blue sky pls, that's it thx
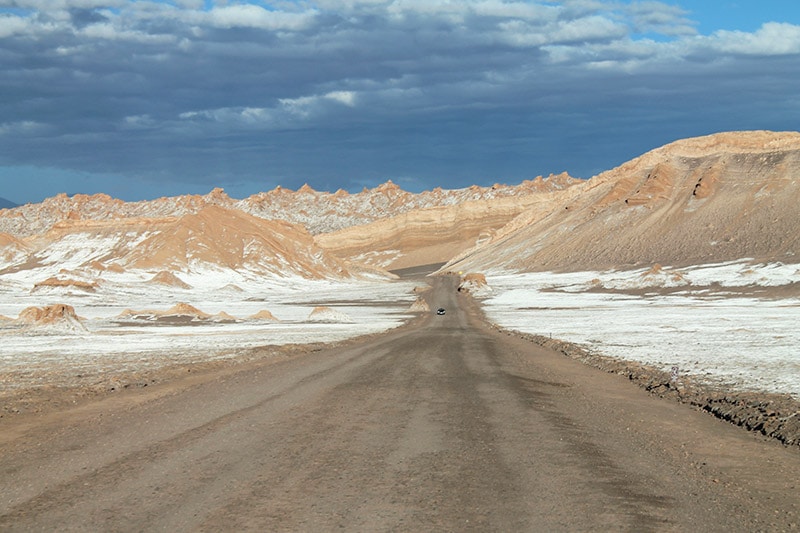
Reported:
(740, 15)
(146, 99)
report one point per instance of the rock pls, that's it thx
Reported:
(264, 315)
(85, 286)
(475, 284)
(222, 316)
(53, 319)
(419, 306)
(180, 311)
(327, 315)
(169, 279)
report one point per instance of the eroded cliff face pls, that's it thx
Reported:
(427, 236)
(709, 199)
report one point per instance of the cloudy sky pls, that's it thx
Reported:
(140, 99)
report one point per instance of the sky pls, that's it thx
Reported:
(142, 99)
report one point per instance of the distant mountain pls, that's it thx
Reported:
(6, 204)
(269, 234)
(319, 212)
(324, 212)
(711, 199)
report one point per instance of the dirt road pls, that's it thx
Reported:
(445, 425)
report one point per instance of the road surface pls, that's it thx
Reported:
(442, 425)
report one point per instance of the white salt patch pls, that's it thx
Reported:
(111, 343)
(748, 343)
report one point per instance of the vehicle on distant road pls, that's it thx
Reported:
(440, 311)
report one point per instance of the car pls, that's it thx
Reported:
(440, 311)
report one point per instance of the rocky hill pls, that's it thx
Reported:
(214, 239)
(230, 239)
(266, 234)
(702, 200)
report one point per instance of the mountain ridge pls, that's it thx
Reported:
(319, 212)
(715, 198)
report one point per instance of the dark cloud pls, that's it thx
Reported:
(81, 17)
(342, 93)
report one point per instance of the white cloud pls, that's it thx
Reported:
(139, 121)
(301, 107)
(107, 31)
(231, 115)
(347, 98)
(586, 29)
(772, 39)
(11, 25)
(253, 16)
(288, 112)
(515, 10)
(452, 10)
(309, 106)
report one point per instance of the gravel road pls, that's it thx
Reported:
(442, 425)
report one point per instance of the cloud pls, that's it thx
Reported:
(83, 17)
(660, 18)
(287, 113)
(253, 16)
(772, 39)
(356, 89)
(11, 25)
(23, 128)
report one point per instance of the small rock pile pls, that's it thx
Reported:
(51, 319)
(475, 284)
(419, 306)
(327, 315)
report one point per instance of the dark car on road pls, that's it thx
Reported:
(440, 311)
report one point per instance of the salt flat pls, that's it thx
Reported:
(729, 323)
(109, 343)
(722, 322)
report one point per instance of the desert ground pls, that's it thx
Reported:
(442, 424)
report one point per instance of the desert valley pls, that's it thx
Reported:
(537, 357)
(683, 259)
